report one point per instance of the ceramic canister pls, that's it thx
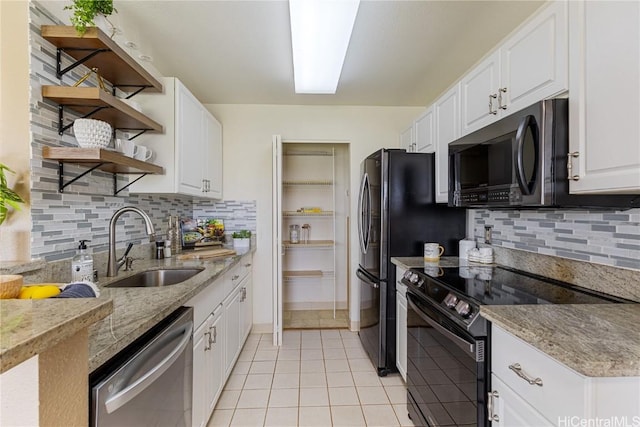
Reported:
(464, 246)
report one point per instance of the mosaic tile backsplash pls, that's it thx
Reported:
(603, 237)
(84, 209)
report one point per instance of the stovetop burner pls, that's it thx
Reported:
(458, 292)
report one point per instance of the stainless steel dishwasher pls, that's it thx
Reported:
(150, 382)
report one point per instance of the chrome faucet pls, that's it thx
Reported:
(114, 265)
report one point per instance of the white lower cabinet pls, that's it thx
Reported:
(401, 324)
(208, 361)
(232, 329)
(509, 409)
(222, 316)
(530, 388)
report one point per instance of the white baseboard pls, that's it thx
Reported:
(320, 305)
(262, 328)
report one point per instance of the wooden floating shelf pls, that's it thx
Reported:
(114, 162)
(84, 100)
(114, 63)
(310, 244)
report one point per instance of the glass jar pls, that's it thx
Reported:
(294, 233)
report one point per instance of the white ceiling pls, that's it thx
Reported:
(239, 52)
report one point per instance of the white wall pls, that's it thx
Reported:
(247, 154)
(14, 133)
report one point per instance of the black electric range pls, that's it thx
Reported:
(448, 342)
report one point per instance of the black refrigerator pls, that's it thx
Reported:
(397, 214)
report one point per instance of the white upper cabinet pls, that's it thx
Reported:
(534, 61)
(213, 173)
(604, 101)
(423, 132)
(190, 150)
(447, 129)
(406, 139)
(189, 141)
(478, 89)
(529, 66)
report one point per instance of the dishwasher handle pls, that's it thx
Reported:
(123, 396)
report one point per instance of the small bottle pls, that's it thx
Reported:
(294, 233)
(160, 250)
(167, 248)
(82, 264)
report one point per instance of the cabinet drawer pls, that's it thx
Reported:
(562, 393)
(237, 273)
(204, 303)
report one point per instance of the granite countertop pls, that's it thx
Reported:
(136, 310)
(595, 340)
(29, 327)
(445, 261)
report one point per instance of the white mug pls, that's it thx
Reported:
(126, 147)
(143, 153)
(432, 251)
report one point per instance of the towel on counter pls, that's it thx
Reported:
(79, 290)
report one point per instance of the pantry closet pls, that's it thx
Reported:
(313, 221)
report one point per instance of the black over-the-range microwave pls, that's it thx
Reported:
(520, 161)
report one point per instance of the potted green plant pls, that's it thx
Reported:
(241, 239)
(8, 197)
(85, 11)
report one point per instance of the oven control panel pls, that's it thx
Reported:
(453, 304)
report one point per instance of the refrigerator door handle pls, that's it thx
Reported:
(367, 278)
(363, 228)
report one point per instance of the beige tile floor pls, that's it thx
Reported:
(317, 378)
(315, 319)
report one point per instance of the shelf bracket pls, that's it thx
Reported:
(62, 185)
(61, 72)
(115, 183)
(62, 127)
(138, 134)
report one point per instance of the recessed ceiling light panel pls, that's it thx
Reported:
(320, 34)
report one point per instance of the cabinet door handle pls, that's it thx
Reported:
(501, 106)
(491, 98)
(208, 341)
(572, 155)
(215, 334)
(490, 415)
(518, 370)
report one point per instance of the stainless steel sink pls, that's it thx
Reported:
(154, 278)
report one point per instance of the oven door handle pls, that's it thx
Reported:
(460, 342)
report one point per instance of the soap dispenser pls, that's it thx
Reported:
(82, 264)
